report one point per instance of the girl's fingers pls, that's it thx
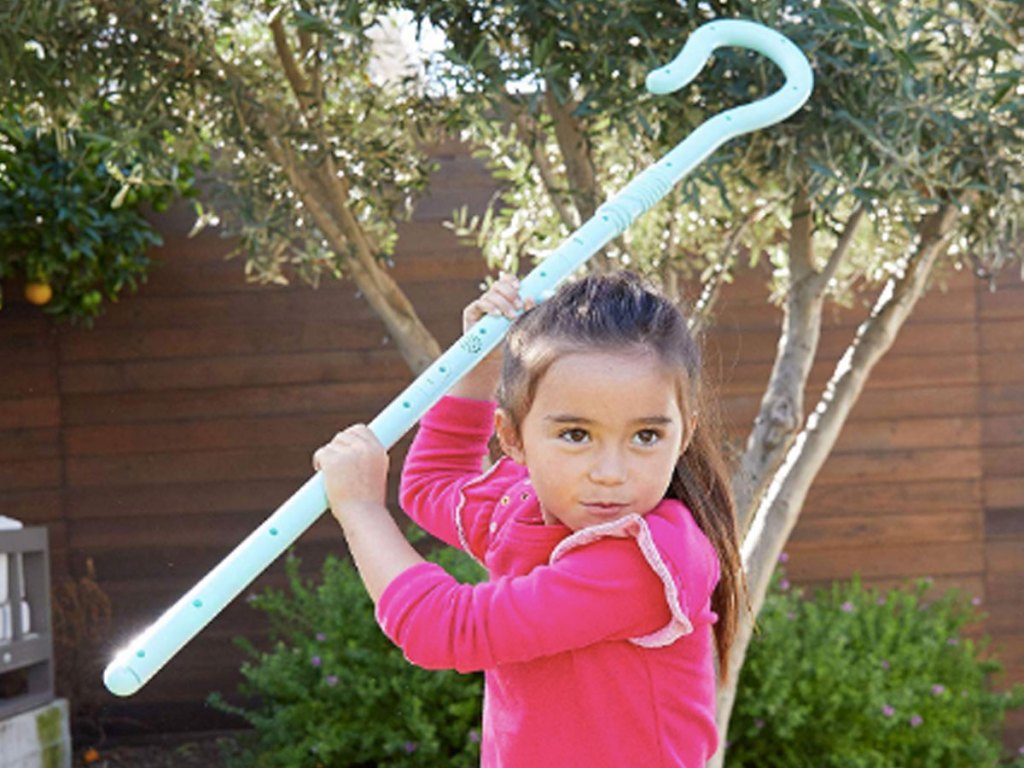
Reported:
(500, 299)
(347, 444)
(508, 287)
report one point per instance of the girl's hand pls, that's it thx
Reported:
(355, 467)
(502, 298)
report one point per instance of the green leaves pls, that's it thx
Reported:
(853, 676)
(70, 221)
(332, 690)
(914, 104)
(278, 99)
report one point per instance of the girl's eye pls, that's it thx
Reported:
(574, 435)
(647, 437)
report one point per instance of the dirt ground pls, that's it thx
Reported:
(180, 752)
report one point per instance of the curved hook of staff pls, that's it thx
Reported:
(149, 651)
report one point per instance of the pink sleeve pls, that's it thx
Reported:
(446, 456)
(603, 591)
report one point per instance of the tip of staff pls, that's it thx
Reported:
(121, 680)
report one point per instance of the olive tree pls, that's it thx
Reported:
(310, 161)
(906, 161)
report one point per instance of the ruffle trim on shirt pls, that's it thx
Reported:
(635, 526)
(459, 528)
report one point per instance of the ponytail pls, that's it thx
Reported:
(701, 482)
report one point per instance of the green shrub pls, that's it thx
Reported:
(858, 678)
(71, 224)
(335, 692)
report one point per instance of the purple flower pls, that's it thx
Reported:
(791, 615)
(975, 601)
(332, 680)
(847, 607)
(885, 665)
(938, 689)
(410, 747)
(915, 721)
(759, 723)
(320, 637)
(474, 736)
(888, 711)
(953, 641)
(784, 585)
(880, 600)
(315, 661)
(784, 557)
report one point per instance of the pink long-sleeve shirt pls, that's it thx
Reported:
(596, 644)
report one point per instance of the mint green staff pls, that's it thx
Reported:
(143, 657)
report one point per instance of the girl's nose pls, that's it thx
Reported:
(609, 468)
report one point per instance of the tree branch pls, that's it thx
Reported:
(801, 242)
(711, 290)
(780, 508)
(839, 252)
(416, 344)
(261, 126)
(781, 411)
(531, 133)
(298, 83)
(782, 505)
(310, 98)
(575, 146)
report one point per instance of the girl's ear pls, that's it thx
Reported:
(508, 436)
(688, 437)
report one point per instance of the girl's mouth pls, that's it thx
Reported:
(604, 507)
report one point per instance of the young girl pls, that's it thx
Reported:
(607, 530)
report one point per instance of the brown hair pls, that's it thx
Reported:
(621, 310)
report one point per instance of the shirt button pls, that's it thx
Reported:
(505, 500)
(493, 526)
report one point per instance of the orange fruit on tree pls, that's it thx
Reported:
(38, 293)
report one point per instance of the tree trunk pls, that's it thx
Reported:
(782, 406)
(325, 195)
(327, 205)
(413, 340)
(781, 505)
(576, 153)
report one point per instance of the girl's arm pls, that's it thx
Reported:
(355, 467)
(502, 298)
(604, 592)
(441, 486)
(449, 452)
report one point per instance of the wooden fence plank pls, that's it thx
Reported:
(18, 444)
(29, 412)
(866, 499)
(915, 560)
(365, 397)
(897, 466)
(931, 527)
(232, 371)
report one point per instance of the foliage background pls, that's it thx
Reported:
(854, 676)
(335, 691)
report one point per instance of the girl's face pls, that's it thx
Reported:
(601, 438)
